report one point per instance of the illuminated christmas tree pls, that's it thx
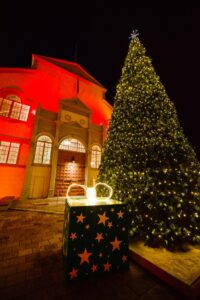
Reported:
(147, 159)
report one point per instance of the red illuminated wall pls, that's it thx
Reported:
(54, 84)
(11, 130)
(44, 84)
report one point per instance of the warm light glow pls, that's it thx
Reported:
(91, 194)
(72, 145)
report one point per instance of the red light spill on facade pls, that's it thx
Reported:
(44, 85)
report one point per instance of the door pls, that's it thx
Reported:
(38, 187)
(70, 169)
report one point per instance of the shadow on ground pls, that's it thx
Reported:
(31, 266)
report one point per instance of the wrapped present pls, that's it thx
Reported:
(95, 238)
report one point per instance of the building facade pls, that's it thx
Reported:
(53, 122)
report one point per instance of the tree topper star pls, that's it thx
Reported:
(134, 34)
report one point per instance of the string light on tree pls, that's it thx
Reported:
(147, 159)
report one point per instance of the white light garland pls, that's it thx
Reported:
(90, 192)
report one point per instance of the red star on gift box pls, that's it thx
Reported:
(73, 273)
(73, 235)
(102, 219)
(107, 266)
(84, 256)
(99, 237)
(120, 214)
(94, 268)
(124, 258)
(110, 224)
(115, 244)
(80, 218)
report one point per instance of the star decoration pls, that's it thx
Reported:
(134, 34)
(107, 266)
(102, 219)
(99, 237)
(80, 218)
(73, 235)
(84, 256)
(110, 224)
(115, 244)
(94, 268)
(73, 273)
(87, 226)
(124, 258)
(120, 214)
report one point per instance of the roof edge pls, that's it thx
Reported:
(51, 59)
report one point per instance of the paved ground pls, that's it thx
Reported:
(31, 266)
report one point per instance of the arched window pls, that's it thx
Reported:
(72, 145)
(95, 157)
(11, 107)
(9, 152)
(43, 150)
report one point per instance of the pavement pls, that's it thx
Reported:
(31, 265)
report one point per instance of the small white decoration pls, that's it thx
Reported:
(134, 34)
(90, 192)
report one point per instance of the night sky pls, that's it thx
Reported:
(96, 35)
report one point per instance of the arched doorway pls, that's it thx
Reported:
(70, 167)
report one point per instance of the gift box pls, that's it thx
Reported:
(95, 238)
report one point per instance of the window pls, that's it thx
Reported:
(95, 157)
(11, 107)
(5, 107)
(9, 152)
(72, 145)
(43, 150)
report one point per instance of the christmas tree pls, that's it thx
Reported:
(147, 159)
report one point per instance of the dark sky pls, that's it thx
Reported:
(100, 32)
